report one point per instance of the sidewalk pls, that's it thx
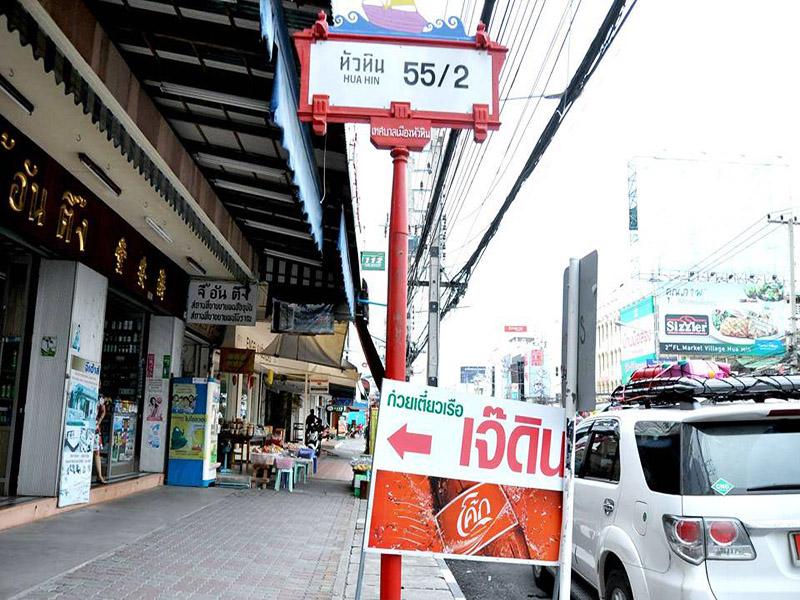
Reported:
(423, 578)
(206, 543)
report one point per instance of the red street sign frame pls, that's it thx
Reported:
(318, 111)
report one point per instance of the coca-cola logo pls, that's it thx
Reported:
(474, 515)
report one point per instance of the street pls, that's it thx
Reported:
(489, 581)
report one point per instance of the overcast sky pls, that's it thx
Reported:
(712, 80)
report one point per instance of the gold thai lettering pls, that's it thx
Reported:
(161, 284)
(66, 220)
(141, 272)
(6, 141)
(22, 187)
(120, 254)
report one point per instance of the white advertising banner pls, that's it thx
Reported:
(472, 437)
(480, 478)
(221, 303)
(373, 75)
(79, 432)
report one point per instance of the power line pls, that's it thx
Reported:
(606, 34)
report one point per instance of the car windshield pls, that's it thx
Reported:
(740, 458)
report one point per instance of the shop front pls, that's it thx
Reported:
(85, 296)
(16, 272)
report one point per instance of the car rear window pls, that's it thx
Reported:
(659, 447)
(741, 458)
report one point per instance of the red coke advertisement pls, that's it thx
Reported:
(462, 476)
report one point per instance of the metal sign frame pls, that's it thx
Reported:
(318, 111)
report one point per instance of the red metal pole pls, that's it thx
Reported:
(391, 564)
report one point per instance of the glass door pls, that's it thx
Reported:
(14, 286)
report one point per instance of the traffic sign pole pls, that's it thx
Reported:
(391, 564)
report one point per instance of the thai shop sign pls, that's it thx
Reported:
(221, 303)
(494, 490)
(373, 261)
(716, 318)
(638, 333)
(79, 432)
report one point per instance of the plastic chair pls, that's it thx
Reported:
(300, 468)
(284, 466)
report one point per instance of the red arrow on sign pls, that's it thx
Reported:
(404, 441)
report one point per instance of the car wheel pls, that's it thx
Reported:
(618, 587)
(543, 579)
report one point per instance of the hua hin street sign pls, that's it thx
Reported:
(493, 490)
(357, 74)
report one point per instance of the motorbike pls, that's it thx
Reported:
(314, 439)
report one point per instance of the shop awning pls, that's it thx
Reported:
(231, 99)
(323, 351)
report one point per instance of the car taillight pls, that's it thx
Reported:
(695, 539)
(685, 537)
(722, 533)
(688, 531)
(727, 539)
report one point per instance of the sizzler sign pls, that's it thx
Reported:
(686, 325)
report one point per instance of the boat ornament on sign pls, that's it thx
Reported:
(398, 17)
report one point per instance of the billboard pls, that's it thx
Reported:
(723, 319)
(638, 334)
(471, 374)
(462, 476)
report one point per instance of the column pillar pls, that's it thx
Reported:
(70, 306)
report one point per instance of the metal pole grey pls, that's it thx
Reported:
(564, 580)
(791, 221)
(433, 306)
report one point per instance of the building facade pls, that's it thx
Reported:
(141, 147)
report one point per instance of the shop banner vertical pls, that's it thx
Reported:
(154, 434)
(79, 432)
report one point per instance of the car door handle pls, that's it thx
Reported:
(608, 506)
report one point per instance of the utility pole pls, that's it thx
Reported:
(790, 221)
(434, 281)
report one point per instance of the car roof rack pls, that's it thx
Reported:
(687, 390)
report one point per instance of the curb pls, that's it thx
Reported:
(447, 575)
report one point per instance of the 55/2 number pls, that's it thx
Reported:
(426, 74)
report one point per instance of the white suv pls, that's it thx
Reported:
(689, 504)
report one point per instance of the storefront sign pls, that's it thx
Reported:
(45, 204)
(373, 261)
(236, 360)
(482, 478)
(318, 386)
(79, 432)
(221, 303)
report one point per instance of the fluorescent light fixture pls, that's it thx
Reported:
(238, 165)
(292, 257)
(158, 229)
(251, 190)
(16, 96)
(196, 266)
(279, 230)
(259, 211)
(212, 96)
(98, 172)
